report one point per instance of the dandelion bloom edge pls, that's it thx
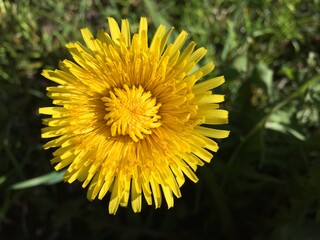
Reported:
(128, 116)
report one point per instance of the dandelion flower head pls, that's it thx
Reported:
(131, 117)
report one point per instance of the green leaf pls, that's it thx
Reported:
(230, 42)
(2, 179)
(241, 63)
(280, 127)
(47, 179)
(265, 76)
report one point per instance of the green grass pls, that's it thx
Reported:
(264, 181)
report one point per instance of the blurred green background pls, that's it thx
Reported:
(264, 183)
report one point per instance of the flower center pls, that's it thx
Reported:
(131, 111)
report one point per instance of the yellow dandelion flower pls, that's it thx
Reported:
(128, 115)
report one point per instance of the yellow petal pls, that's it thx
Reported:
(88, 38)
(213, 133)
(208, 85)
(114, 29)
